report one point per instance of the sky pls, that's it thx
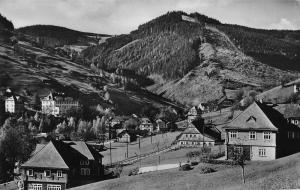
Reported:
(123, 16)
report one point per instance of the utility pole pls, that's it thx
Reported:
(203, 134)
(127, 147)
(110, 153)
(140, 150)
(109, 136)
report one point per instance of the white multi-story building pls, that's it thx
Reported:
(13, 104)
(261, 133)
(146, 125)
(57, 105)
(48, 105)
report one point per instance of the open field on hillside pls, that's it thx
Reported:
(171, 157)
(39, 72)
(119, 149)
(278, 174)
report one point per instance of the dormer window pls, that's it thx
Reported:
(251, 118)
(30, 172)
(59, 173)
(47, 173)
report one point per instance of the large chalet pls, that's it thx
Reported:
(261, 133)
(191, 137)
(60, 165)
(56, 104)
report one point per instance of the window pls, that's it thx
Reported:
(194, 135)
(238, 149)
(53, 187)
(252, 135)
(59, 173)
(30, 172)
(82, 171)
(262, 152)
(267, 135)
(47, 173)
(233, 134)
(85, 171)
(35, 186)
(87, 162)
(291, 134)
(81, 162)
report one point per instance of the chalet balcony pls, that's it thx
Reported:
(40, 177)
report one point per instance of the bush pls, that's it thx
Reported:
(117, 171)
(185, 167)
(194, 163)
(134, 171)
(206, 170)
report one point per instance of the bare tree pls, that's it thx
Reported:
(239, 156)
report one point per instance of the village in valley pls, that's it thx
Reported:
(71, 152)
(79, 114)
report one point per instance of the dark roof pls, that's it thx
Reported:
(83, 148)
(256, 117)
(191, 129)
(182, 124)
(123, 133)
(56, 154)
(292, 111)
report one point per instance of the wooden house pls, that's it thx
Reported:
(60, 165)
(261, 133)
(125, 137)
(191, 137)
(292, 114)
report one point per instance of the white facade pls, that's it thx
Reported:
(263, 153)
(49, 105)
(261, 144)
(146, 125)
(192, 114)
(10, 105)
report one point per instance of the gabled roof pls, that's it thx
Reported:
(191, 130)
(292, 111)
(47, 157)
(255, 117)
(145, 120)
(123, 133)
(182, 124)
(82, 148)
(55, 154)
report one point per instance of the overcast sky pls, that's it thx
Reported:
(123, 16)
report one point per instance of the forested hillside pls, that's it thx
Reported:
(190, 57)
(276, 48)
(49, 35)
(6, 28)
